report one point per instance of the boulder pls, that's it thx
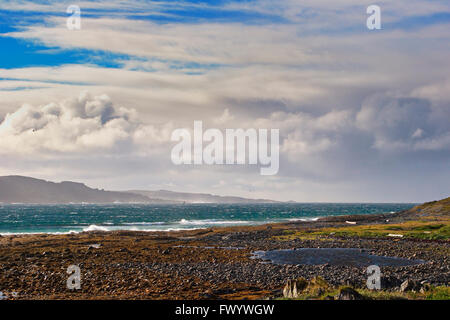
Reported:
(293, 288)
(390, 282)
(410, 285)
(348, 293)
(425, 286)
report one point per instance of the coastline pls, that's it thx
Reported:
(66, 219)
(213, 263)
(101, 228)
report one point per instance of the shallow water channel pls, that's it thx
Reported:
(331, 256)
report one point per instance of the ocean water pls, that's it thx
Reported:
(18, 219)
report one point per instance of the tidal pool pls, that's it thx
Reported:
(332, 256)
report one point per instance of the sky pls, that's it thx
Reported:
(363, 114)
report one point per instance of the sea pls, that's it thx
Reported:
(74, 218)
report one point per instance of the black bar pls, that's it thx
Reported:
(163, 309)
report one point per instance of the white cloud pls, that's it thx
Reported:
(88, 124)
(402, 124)
(350, 104)
(226, 117)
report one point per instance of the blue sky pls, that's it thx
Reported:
(19, 53)
(352, 105)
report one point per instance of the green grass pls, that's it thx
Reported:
(434, 208)
(319, 289)
(438, 293)
(411, 229)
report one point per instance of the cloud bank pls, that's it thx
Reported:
(86, 124)
(363, 116)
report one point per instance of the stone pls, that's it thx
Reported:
(410, 285)
(293, 288)
(348, 293)
(389, 282)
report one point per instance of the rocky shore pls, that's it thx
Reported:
(206, 264)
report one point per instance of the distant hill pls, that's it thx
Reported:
(20, 189)
(434, 208)
(196, 197)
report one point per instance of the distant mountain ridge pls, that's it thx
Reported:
(21, 189)
(196, 197)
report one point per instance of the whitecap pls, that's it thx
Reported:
(213, 222)
(94, 227)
